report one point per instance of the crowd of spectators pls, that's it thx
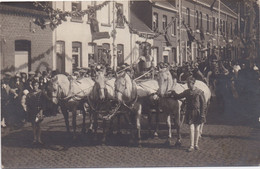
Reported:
(228, 81)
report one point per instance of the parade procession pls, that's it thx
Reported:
(151, 83)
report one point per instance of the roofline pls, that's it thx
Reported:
(168, 8)
(21, 11)
(228, 8)
(207, 5)
(235, 15)
(148, 33)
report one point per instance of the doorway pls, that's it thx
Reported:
(22, 56)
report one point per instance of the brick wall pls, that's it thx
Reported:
(160, 41)
(15, 26)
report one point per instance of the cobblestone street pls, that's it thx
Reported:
(224, 143)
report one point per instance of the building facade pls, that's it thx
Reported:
(186, 29)
(100, 38)
(196, 29)
(24, 46)
(158, 15)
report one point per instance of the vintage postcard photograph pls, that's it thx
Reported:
(130, 83)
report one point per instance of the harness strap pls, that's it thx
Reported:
(143, 75)
(73, 95)
(132, 102)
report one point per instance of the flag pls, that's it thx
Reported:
(212, 5)
(94, 25)
(168, 43)
(95, 30)
(100, 35)
(190, 35)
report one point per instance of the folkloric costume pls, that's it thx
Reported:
(34, 101)
(196, 105)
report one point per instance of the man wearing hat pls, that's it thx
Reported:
(23, 78)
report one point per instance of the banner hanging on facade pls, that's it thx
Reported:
(95, 31)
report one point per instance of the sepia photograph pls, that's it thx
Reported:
(130, 83)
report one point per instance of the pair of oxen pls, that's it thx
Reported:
(111, 97)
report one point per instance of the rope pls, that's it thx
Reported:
(124, 69)
(143, 75)
(109, 116)
(69, 97)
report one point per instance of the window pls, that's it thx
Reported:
(174, 55)
(227, 28)
(155, 21)
(60, 56)
(207, 22)
(106, 20)
(194, 51)
(174, 26)
(201, 23)
(92, 58)
(217, 26)
(119, 15)
(76, 55)
(220, 26)
(106, 55)
(198, 51)
(120, 54)
(224, 27)
(188, 16)
(76, 6)
(165, 59)
(213, 24)
(231, 29)
(197, 19)
(164, 22)
(156, 55)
